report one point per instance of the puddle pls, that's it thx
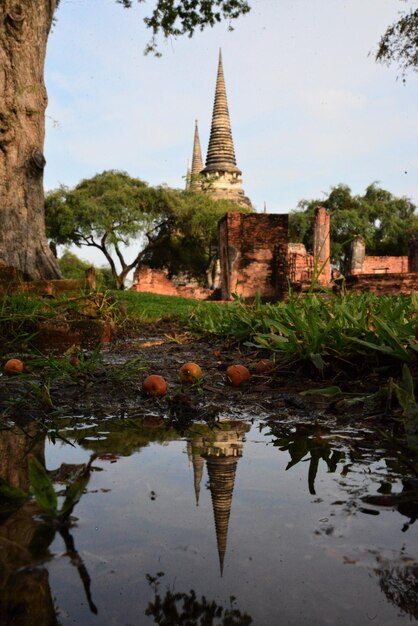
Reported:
(244, 521)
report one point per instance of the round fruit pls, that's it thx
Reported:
(154, 385)
(264, 366)
(238, 375)
(190, 373)
(13, 366)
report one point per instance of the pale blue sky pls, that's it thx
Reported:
(309, 107)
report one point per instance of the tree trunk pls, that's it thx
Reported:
(24, 29)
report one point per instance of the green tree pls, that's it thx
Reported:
(107, 212)
(24, 32)
(384, 221)
(399, 43)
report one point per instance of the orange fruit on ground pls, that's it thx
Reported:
(237, 375)
(190, 373)
(263, 366)
(154, 385)
(13, 366)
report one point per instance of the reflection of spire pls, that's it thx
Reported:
(221, 449)
(221, 471)
(198, 463)
(194, 449)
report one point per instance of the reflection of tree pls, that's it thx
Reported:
(306, 440)
(399, 583)
(25, 537)
(186, 609)
(122, 437)
(25, 595)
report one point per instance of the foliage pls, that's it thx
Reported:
(174, 18)
(384, 221)
(399, 43)
(185, 243)
(323, 329)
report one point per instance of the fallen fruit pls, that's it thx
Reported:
(74, 361)
(154, 385)
(264, 366)
(13, 366)
(238, 375)
(190, 373)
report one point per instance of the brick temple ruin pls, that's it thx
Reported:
(254, 254)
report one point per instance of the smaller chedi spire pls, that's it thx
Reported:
(197, 161)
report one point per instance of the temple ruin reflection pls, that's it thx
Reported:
(221, 449)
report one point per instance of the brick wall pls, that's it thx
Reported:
(385, 265)
(150, 280)
(253, 254)
(383, 284)
(300, 263)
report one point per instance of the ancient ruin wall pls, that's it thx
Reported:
(253, 254)
(300, 263)
(385, 265)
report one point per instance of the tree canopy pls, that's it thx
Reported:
(399, 43)
(171, 228)
(384, 221)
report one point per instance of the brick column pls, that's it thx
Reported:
(413, 253)
(321, 245)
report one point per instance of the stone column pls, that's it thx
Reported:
(321, 246)
(413, 253)
(357, 255)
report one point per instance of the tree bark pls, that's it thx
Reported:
(24, 29)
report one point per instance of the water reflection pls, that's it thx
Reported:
(399, 583)
(214, 450)
(176, 607)
(304, 440)
(25, 594)
(26, 536)
(221, 447)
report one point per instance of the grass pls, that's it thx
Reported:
(150, 308)
(321, 329)
(348, 329)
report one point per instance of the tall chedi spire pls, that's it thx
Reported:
(221, 171)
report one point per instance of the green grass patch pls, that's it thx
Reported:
(153, 308)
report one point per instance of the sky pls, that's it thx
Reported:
(309, 106)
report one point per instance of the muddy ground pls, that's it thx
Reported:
(109, 383)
